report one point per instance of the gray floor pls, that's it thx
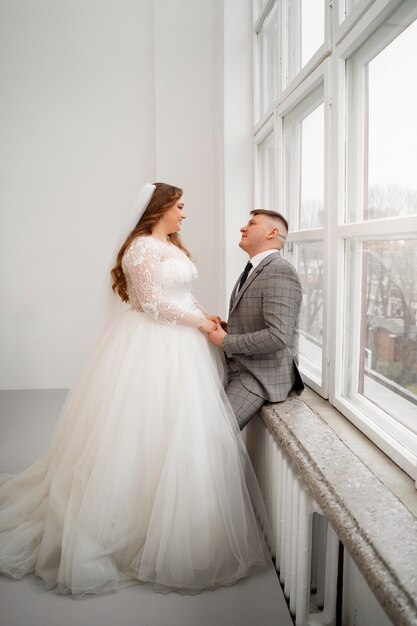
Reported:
(26, 422)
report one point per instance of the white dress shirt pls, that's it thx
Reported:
(255, 260)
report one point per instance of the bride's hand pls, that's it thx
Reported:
(207, 326)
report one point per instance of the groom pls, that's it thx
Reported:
(261, 342)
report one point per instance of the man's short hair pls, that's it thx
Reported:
(273, 214)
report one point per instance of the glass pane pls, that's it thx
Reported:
(305, 34)
(312, 28)
(310, 268)
(382, 133)
(382, 328)
(312, 170)
(268, 61)
(392, 152)
(267, 173)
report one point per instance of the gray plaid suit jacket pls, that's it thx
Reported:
(262, 329)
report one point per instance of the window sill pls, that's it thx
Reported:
(392, 476)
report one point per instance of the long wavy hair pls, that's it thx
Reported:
(163, 198)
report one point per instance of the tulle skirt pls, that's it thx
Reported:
(146, 479)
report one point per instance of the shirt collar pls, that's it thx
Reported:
(255, 260)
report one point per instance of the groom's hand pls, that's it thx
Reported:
(217, 336)
(217, 320)
(214, 318)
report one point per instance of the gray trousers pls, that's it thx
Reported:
(244, 403)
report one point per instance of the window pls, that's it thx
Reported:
(312, 28)
(303, 163)
(304, 183)
(378, 373)
(381, 364)
(311, 210)
(268, 63)
(267, 172)
(392, 134)
(384, 135)
(304, 166)
(304, 33)
(308, 259)
(343, 168)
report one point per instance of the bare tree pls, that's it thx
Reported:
(391, 290)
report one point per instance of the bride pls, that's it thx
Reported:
(144, 480)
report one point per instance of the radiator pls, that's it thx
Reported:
(304, 546)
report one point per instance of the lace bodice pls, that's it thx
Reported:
(159, 278)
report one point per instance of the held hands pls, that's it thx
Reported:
(215, 328)
(214, 318)
(218, 320)
(217, 336)
(207, 325)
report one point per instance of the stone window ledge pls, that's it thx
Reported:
(376, 527)
(393, 477)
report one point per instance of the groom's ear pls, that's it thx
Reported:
(273, 233)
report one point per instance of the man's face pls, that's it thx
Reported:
(255, 234)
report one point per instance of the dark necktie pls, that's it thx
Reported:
(245, 274)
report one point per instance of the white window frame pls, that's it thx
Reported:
(262, 116)
(392, 437)
(321, 53)
(355, 39)
(348, 15)
(304, 99)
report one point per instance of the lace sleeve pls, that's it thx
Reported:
(143, 260)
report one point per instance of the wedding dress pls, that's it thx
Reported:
(144, 480)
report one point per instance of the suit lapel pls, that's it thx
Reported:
(236, 295)
(234, 292)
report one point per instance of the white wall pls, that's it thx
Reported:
(188, 88)
(238, 171)
(98, 97)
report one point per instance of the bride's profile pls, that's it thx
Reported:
(146, 477)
